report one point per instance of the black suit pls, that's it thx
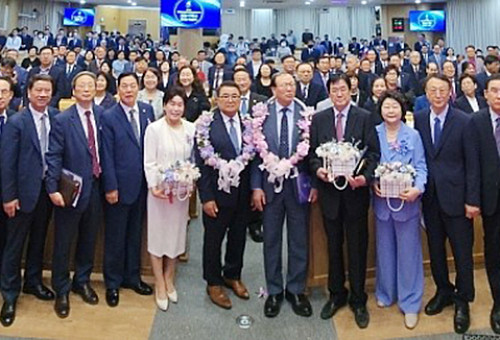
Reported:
(70, 73)
(212, 81)
(232, 215)
(196, 103)
(453, 181)
(346, 211)
(489, 163)
(60, 84)
(463, 104)
(315, 94)
(415, 78)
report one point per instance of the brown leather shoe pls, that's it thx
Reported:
(238, 288)
(219, 296)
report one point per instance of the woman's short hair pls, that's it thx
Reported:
(173, 92)
(395, 95)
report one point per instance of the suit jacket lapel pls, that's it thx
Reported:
(352, 118)
(295, 130)
(77, 125)
(426, 134)
(144, 121)
(271, 129)
(220, 127)
(447, 127)
(32, 126)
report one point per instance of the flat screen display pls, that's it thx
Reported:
(191, 13)
(398, 24)
(79, 17)
(427, 21)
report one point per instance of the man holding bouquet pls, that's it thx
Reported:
(345, 211)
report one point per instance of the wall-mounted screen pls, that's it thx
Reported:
(427, 21)
(191, 13)
(79, 17)
(398, 24)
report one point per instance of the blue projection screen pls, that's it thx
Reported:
(191, 13)
(78, 17)
(427, 21)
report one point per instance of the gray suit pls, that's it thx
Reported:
(278, 206)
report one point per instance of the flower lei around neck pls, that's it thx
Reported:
(229, 171)
(280, 169)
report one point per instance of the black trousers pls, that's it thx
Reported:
(3, 235)
(122, 243)
(460, 233)
(491, 226)
(354, 225)
(35, 225)
(234, 222)
(69, 224)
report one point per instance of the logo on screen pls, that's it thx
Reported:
(79, 17)
(427, 20)
(188, 11)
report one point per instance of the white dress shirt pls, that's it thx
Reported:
(37, 116)
(236, 123)
(255, 68)
(441, 117)
(136, 115)
(290, 118)
(83, 118)
(473, 103)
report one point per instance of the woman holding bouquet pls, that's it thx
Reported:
(167, 141)
(400, 275)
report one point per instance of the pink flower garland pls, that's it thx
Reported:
(229, 171)
(279, 169)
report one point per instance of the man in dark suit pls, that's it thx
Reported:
(310, 52)
(491, 66)
(254, 65)
(354, 46)
(451, 198)
(282, 135)
(437, 57)
(224, 212)
(307, 36)
(337, 45)
(249, 99)
(71, 69)
(307, 91)
(345, 211)
(125, 186)
(218, 74)
(100, 57)
(486, 125)
(75, 146)
(25, 141)
(322, 73)
(47, 67)
(327, 44)
(416, 72)
(20, 74)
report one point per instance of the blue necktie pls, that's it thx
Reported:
(244, 108)
(437, 131)
(2, 123)
(234, 136)
(283, 148)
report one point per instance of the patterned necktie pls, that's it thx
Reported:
(234, 136)
(339, 129)
(437, 131)
(244, 107)
(304, 92)
(497, 134)
(96, 169)
(2, 123)
(133, 122)
(283, 147)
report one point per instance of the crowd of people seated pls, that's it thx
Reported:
(115, 111)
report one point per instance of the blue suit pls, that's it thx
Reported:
(123, 170)
(69, 149)
(22, 170)
(400, 275)
(233, 215)
(453, 181)
(278, 206)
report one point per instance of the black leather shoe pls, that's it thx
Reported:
(112, 297)
(437, 304)
(40, 291)
(300, 303)
(62, 306)
(361, 316)
(495, 320)
(8, 313)
(87, 293)
(141, 288)
(256, 234)
(330, 308)
(273, 305)
(461, 320)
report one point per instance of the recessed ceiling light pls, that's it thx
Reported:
(418, 1)
(134, 3)
(242, 3)
(308, 2)
(82, 2)
(129, 1)
(364, 2)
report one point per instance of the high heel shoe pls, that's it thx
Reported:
(173, 296)
(161, 303)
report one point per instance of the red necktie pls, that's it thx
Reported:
(96, 169)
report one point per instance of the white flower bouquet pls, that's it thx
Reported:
(394, 178)
(179, 179)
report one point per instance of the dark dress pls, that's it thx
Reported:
(196, 103)
(263, 90)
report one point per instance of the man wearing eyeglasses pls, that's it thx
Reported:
(282, 135)
(451, 199)
(223, 212)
